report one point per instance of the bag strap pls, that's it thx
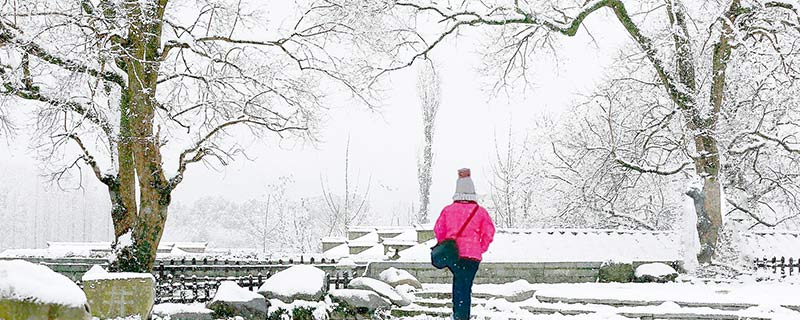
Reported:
(464, 226)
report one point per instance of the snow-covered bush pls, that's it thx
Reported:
(655, 272)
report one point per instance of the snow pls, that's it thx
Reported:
(175, 308)
(98, 273)
(230, 291)
(507, 289)
(655, 270)
(57, 250)
(394, 275)
(755, 293)
(771, 244)
(346, 262)
(570, 245)
(22, 280)
(321, 308)
(125, 240)
(379, 287)
(337, 252)
(334, 239)
(372, 254)
(369, 238)
(407, 291)
(502, 290)
(300, 279)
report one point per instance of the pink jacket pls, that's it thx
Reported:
(477, 236)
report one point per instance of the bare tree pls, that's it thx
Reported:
(266, 219)
(347, 209)
(705, 57)
(429, 92)
(512, 183)
(117, 81)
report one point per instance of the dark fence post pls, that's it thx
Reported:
(182, 288)
(774, 265)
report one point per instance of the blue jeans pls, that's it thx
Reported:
(464, 271)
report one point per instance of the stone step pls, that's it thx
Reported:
(700, 315)
(445, 303)
(443, 295)
(641, 303)
(544, 308)
(416, 310)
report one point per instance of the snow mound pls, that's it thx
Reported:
(98, 273)
(22, 280)
(380, 288)
(395, 277)
(229, 291)
(297, 282)
(177, 308)
(655, 270)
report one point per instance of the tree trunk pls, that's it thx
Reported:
(425, 178)
(709, 206)
(707, 165)
(140, 152)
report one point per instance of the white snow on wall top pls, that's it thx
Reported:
(768, 244)
(570, 245)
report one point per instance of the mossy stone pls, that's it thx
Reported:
(616, 272)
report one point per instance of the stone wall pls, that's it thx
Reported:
(501, 272)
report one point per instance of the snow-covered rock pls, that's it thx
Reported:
(655, 272)
(32, 291)
(395, 277)
(381, 288)
(407, 292)
(180, 311)
(119, 294)
(364, 299)
(301, 282)
(231, 300)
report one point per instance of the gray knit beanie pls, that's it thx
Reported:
(465, 189)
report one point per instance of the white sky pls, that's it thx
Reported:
(385, 144)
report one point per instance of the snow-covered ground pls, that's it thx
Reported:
(752, 300)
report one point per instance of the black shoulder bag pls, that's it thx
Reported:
(445, 253)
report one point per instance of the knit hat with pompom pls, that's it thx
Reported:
(465, 189)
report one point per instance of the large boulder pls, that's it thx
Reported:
(301, 282)
(365, 300)
(182, 311)
(616, 272)
(232, 300)
(655, 272)
(395, 277)
(119, 294)
(33, 292)
(381, 288)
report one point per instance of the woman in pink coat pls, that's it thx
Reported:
(471, 243)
